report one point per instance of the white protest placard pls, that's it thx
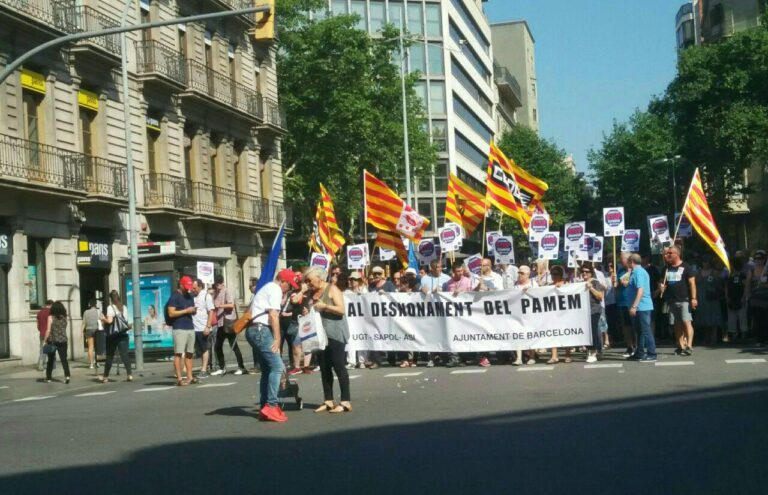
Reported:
(586, 247)
(386, 254)
(686, 229)
(474, 263)
(572, 260)
(490, 240)
(572, 235)
(205, 271)
(549, 246)
(630, 241)
(658, 228)
(538, 227)
(322, 261)
(357, 256)
(613, 221)
(504, 251)
(449, 240)
(596, 253)
(426, 251)
(502, 320)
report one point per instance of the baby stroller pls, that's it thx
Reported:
(289, 388)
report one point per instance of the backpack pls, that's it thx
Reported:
(119, 324)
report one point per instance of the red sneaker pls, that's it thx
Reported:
(273, 413)
(484, 362)
(295, 371)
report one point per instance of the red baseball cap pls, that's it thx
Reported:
(286, 275)
(186, 282)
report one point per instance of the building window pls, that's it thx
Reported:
(535, 115)
(435, 56)
(424, 207)
(439, 214)
(377, 16)
(467, 83)
(146, 34)
(359, 7)
(395, 13)
(471, 119)
(32, 103)
(434, 25)
(183, 41)
(442, 171)
(339, 7)
(36, 271)
(470, 151)
(471, 24)
(415, 19)
(420, 88)
(188, 137)
(437, 97)
(417, 58)
(86, 118)
(213, 152)
(472, 57)
(439, 134)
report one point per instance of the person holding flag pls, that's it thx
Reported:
(327, 237)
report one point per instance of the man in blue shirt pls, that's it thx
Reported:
(640, 310)
(180, 308)
(620, 282)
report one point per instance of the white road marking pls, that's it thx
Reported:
(393, 375)
(95, 394)
(605, 365)
(211, 385)
(744, 361)
(4, 386)
(351, 377)
(35, 397)
(153, 389)
(676, 363)
(536, 368)
(466, 372)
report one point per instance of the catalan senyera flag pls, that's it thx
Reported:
(464, 205)
(386, 211)
(697, 210)
(327, 237)
(393, 242)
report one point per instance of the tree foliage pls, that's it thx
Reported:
(568, 197)
(343, 102)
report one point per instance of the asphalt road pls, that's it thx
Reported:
(626, 428)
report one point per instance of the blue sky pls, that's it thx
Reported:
(596, 61)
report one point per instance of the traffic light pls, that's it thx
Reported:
(265, 22)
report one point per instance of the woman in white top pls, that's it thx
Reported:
(523, 283)
(115, 341)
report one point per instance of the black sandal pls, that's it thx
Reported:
(326, 407)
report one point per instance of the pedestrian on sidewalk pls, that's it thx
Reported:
(42, 328)
(264, 336)
(641, 309)
(596, 295)
(56, 335)
(226, 314)
(203, 320)
(116, 341)
(180, 308)
(679, 291)
(91, 324)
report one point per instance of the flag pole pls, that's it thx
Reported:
(482, 242)
(687, 196)
(365, 222)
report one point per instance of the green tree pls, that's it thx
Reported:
(719, 106)
(342, 97)
(568, 197)
(627, 169)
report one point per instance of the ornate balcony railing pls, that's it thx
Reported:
(506, 81)
(167, 191)
(153, 57)
(79, 19)
(35, 163)
(273, 113)
(43, 11)
(216, 85)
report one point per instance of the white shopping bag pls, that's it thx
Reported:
(311, 332)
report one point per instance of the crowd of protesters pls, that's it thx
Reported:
(635, 302)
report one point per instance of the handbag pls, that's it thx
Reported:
(49, 348)
(311, 332)
(119, 324)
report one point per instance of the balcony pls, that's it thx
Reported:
(167, 192)
(218, 5)
(212, 85)
(274, 115)
(29, 164)
(82, 19)
(218, 203)
(41, 12)
(508, 85)
(155, 60)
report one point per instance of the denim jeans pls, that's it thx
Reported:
(646, 344)
(272, 367)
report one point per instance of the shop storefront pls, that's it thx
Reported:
(6, 254)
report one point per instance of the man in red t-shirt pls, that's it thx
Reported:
(42, 328)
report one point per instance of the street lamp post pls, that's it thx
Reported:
(672, 160)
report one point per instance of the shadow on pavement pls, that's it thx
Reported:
(709, 441)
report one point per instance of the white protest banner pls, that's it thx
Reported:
(572, 234)
(449, 241)
(357, 256)
(686, 229)
(426, 251)
(630, 241)
(490, 240)
(502, 320)
(386, 254)
(596, 253)
(322, 261)
(658, 227)
(205, 271)
(474, 263)
(538, 227)
(549, 246)
(613, 221)
(504, 250)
